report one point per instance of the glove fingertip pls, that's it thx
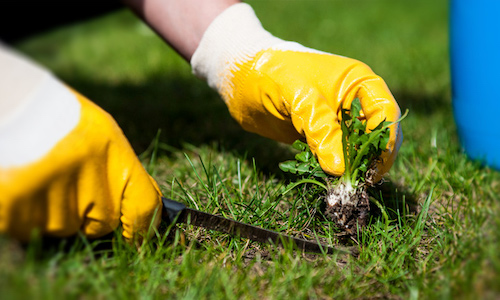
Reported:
(330, 159)
(141, 207)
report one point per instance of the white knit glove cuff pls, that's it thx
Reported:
(39, 110)
(235, 36)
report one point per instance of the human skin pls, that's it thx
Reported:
(181, 23)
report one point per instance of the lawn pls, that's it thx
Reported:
(440, 239)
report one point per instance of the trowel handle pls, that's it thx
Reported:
(171, 209)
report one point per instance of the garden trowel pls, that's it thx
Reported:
(177, 212)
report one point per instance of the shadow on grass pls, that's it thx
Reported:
(421, 103)
(15, 253)
(397, 200)
(186, 111)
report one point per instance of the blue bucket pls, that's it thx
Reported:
(475, 73)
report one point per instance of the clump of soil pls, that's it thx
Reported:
(349, 206)
(351, 214)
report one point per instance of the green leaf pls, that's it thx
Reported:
(384, 140)
(302, 168)
(320, 174)
(289, 166)
(300, 145)
(345, 140)
(381, 125)
(355, 108)
(304, 156)
(360, 148)
(357, 124)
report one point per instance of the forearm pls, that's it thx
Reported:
(181, 23)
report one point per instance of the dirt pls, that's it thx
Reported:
(348, 216)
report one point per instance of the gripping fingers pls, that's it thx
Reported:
(379, 105)
(314, 118)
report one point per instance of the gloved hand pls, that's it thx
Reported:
(285, 91)
(65, 165)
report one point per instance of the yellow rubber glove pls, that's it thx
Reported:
(65, 165)
(285, 91)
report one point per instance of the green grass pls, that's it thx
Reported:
(440, 240)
